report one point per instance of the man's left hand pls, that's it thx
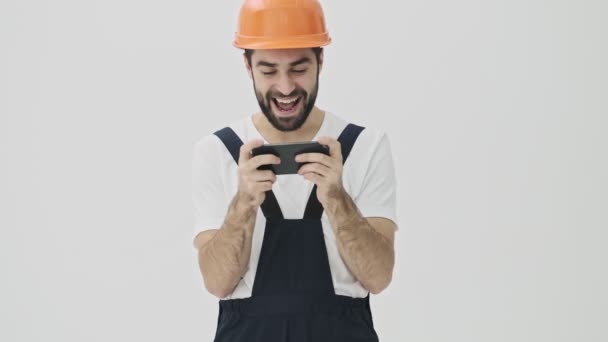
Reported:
(325, 171)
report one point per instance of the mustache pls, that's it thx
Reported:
(296, 92)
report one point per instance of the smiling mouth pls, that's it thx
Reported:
(286, 105)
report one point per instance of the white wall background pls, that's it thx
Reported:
(496, 110)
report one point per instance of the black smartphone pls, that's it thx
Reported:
(288, 152)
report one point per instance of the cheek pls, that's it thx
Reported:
(261, 89)
(307, 84)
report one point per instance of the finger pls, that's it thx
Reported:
(320, 169)
(245, 150)
(264, 176)
(263, 186)
(314, 157)
(263, 159)
(335, 148)
(313, 177)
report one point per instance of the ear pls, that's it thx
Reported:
(247, 66)
(321, 61)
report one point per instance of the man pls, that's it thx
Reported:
(293, 257)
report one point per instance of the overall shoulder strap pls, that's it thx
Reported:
(347, 139)
(270, 206)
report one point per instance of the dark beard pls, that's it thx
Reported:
(300, 118)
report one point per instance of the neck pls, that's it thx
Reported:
(305, 133)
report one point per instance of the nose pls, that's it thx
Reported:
(285, 84)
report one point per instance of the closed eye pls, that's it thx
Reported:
(274, 72)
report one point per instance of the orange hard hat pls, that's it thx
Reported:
(281, 24)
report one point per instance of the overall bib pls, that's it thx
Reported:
(293, 297)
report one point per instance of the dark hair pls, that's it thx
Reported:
(317, 50)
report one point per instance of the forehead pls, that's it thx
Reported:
(281, 56)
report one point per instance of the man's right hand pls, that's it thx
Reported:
(254, 183)
(224, 253)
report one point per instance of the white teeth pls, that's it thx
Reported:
(286, 101)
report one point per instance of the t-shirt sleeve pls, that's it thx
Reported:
(378, 194)
(210, 202)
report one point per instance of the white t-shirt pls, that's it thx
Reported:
(368, 177)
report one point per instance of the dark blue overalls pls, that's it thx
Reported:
(293, 297)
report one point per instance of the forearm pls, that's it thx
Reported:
(225, 258)
(367, 253)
